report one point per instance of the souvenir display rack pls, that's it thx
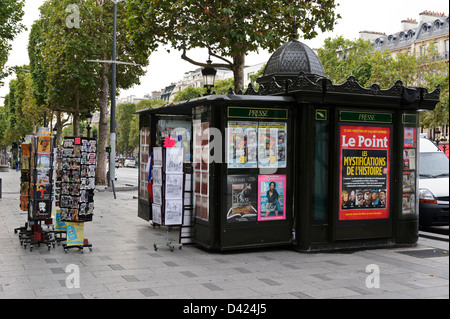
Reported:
(168, 191)
(39, 193)
(24, 182)
(76, 166)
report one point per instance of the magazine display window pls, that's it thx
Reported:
(410, 175)
(75, 184)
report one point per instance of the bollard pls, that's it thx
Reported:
(0, 188)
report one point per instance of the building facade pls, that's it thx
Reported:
(414, 37)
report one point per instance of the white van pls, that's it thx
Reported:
(433, 185)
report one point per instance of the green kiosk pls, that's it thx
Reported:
(302, 162)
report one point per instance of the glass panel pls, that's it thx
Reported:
(321, 173)
(144, 142)
(179, 131)
(201, 163)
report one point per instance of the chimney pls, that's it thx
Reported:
(370, 35)
(408, 24)
(430, 16)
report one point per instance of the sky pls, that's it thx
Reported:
(165, 68)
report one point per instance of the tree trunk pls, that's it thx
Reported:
(100, 176)
(76, 114)
(59, 126)
(238, 71)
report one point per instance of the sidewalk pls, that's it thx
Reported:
(124, 265)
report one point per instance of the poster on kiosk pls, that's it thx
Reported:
(364, 172)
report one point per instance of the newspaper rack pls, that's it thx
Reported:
(168, 191)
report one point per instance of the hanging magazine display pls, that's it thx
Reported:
(256, 144)
(409, 171)
(242, 199)
(76, 179)
(41, 172)
(271, 197)
(167, 186)
(272, 144)
(242, 144)
(25, 176)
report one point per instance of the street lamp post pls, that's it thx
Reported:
(113, 62)
(209, 76)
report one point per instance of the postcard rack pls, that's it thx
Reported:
(36, 191)
(75, 185)
(168, 191)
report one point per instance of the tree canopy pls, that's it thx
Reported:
(342, 57)
(67, 35)
(11, 14)
(228, 29)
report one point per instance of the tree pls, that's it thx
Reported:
(433, 72)
(228, 29)
(73, 84)
(125, 114)
(342, 58)
(188, 93)
(11, 13)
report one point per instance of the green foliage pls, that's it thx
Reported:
(11, 13)
(60, 52)
(342, 58)
(188, 93)
(223, 86)
(124, 118)
(228, 29)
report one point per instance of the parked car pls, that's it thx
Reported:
(433, 185)
(130, 162)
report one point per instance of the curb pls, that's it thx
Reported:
(117, 189)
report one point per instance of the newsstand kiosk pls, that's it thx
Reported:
(301, 162)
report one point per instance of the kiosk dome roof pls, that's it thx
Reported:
(292, 58)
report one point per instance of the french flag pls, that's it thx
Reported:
(150, 179)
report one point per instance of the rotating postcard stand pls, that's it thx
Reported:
(24, 183)
(39, 181)
(75, 189)
(168, 191)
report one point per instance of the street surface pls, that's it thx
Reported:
(123, 264)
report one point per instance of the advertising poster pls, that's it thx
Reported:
(242, 199)
(408, 204)
(156, 214)
(242, 144)
(174, 160)
(271, 197)
(60, 225)
(272, 144)
(364, 172)
(173, 212)
(44, 144)
(409, 137)
(174, 186)
(75, 234)
(409, 158)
